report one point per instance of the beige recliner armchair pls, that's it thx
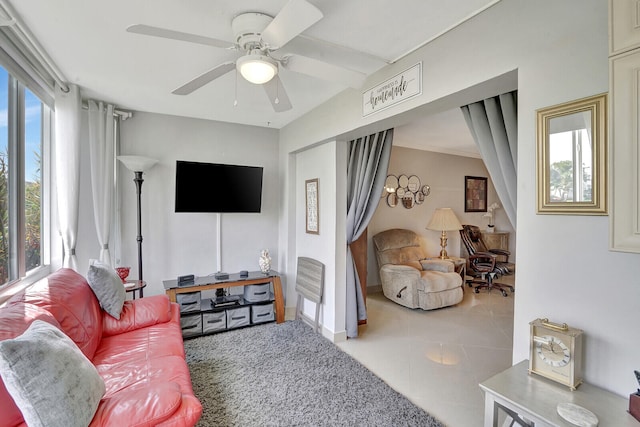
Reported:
(411, 280)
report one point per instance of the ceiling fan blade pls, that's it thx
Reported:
(204, 78)
(164, 33)
(295, 17)
(333, 53)
(277, 95)
(324, 71)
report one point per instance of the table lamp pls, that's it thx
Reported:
(444, 220)
(138, 165)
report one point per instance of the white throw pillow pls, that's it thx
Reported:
(107, 286)
(51, 381)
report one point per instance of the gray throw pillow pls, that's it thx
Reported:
(51, 381)
(107, 286)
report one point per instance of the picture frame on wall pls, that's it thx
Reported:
(475, 194)
(312, 209)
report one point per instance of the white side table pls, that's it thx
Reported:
(534, 400)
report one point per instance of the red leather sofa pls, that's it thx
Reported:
(140, 356)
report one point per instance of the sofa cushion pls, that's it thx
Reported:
(49, 378)
(108, 287)
(14, 320)
(395, 238)
(67, 296)
(145, 405)
(410, 255)
(137, 373)
(138, 314)
(159, 340)
(398, 246)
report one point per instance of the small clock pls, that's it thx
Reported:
(555, 352)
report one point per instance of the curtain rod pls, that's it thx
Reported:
(12, 20)
(124, 115)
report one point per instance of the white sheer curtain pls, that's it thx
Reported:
(102, 152)
(494, 126)
(67, 154)
(367, 166)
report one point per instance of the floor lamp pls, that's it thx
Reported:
(444, 220)
(138, 165)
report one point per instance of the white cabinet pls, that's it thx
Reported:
(624, 25)
(624, 124)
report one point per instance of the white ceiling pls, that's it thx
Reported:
(88, 42)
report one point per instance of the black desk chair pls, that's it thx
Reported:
(484, 263)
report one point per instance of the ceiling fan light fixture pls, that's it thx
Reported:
(256, 68)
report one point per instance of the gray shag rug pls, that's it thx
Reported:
(288, 375)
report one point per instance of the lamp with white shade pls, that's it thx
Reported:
(443, 220)
(138, 165)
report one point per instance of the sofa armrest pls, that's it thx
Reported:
(138, 314)
(396, 268)
(397, 273)
(437, 265)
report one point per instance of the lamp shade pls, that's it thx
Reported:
(137, 163)
(256, 68)
(444, 219)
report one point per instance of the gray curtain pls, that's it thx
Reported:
(367, 166)
(494, 126)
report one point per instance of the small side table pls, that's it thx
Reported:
(135, 285)
(460, 266)
(533, 400)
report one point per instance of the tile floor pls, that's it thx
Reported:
(437, 358)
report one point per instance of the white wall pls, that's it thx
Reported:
(319, 162)
(185, 243)
(444, 173)
(565, 270)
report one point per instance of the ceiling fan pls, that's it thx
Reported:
(258, 36)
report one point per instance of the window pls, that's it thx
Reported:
(23, 133)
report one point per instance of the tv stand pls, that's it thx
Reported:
(210, 282)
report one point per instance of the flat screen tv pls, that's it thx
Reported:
(213, 187)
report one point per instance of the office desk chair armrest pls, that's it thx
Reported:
(501, 252)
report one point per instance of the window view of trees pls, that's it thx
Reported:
(20, 179)
(4, 216)
(32, 179)
(570, 170)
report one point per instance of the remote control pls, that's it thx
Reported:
(244, 273)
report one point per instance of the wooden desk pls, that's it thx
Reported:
(535, 399)
(210, 282)
(496, 240)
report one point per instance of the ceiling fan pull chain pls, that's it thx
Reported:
(277, 100)
(235, 95)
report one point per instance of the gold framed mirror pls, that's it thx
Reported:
(572, 157)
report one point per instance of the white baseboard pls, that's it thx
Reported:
(290, 314)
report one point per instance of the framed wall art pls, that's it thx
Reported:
(311, 196)
(475, 194)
